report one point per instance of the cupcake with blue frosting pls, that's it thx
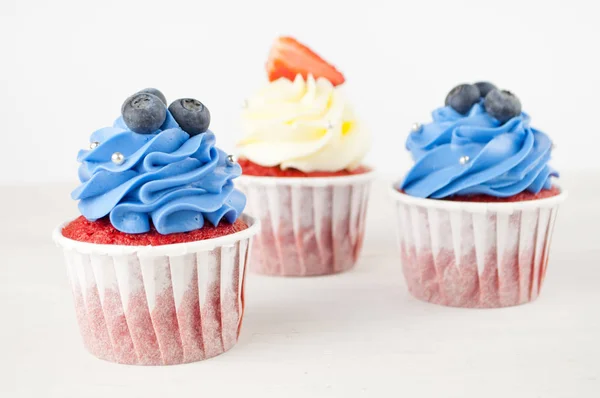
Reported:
(157, 258)
(477, 210)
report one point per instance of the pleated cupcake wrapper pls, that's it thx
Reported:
(310, 226)
(476, 255)
(159, 305)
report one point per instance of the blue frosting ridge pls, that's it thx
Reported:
(503, 159)
(176, 181)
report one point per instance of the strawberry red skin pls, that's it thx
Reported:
(289, 57)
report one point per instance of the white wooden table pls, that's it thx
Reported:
(358, 334)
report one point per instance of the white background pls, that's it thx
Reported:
(67, 66)
(65, 69)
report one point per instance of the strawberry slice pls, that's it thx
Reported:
(289, 57)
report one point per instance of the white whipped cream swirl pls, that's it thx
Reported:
(306, 125)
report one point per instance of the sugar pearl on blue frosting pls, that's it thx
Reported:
(117, 158)
(231, 160)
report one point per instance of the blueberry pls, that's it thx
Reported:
(502, 105)
(462, 97)
(143, 113)
(484, 88)
(156, 92)
(191, 115)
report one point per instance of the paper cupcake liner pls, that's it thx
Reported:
(475, 255)
(159, 305)
(310, 226)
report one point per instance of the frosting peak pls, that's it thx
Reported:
(302, 124)
(167, 177)
(476, 154)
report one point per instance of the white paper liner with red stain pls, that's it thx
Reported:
(475, 255)
(160, 305)
(310, 226)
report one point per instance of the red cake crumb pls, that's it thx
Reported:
(520, 197)
(102, 232)
(252, 169)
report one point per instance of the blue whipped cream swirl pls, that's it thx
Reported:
(176, 181)
(475, 154)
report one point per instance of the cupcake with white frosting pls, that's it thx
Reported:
(301, 153)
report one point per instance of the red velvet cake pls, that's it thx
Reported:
(482, 250)
(299, 149)
(102, 232)
(158, 276)
(520, 197)
(253, 169)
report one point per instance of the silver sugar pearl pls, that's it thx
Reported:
(416, 127)
(117, 158)
(94, 145)
(464, 159)
(329, 125)
(231, 160)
